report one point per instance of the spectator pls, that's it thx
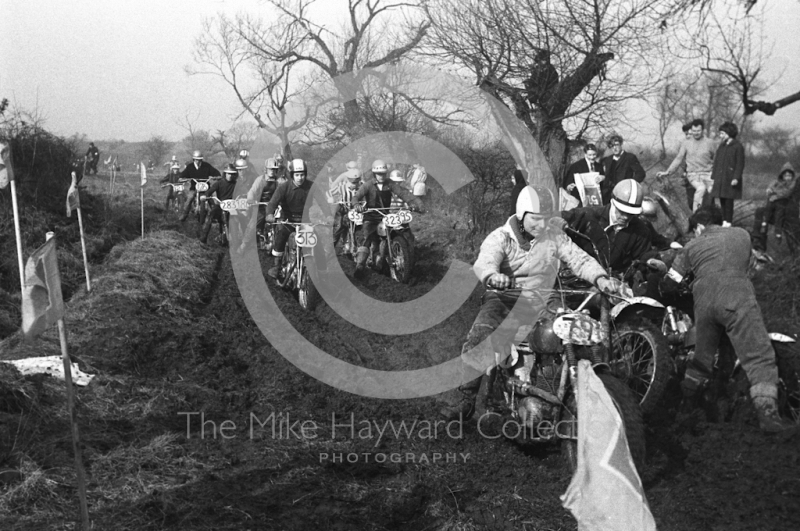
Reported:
(778, 197)
(618, 166)
(791, 222)
(587, 164)
(92, 158)
(727, 171)
(697, 152)
(518, 178)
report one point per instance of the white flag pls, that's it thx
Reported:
(144, 173)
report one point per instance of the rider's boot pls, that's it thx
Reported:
(459, 404)
(273, 262)
(206, 229)
(361, 261)
(765, 401)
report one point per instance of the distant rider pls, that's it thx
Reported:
(224, 189)
(199, 170)
(260, 192)
(526, 252)
(172, 177)
(378, 195)
(345, 193)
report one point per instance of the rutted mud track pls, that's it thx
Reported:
(207, 357)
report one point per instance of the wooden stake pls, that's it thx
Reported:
(141, 189)
(83, 246)
(18, 236)
(76, 447)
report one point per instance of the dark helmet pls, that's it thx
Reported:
(543, 339)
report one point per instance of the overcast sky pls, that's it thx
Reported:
(116, 69)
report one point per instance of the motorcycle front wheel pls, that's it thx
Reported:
(628, 410)
(640, 357)
(400, 266)
(307, 294)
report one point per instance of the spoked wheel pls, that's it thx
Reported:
(628, 410)
(307, 294)
(400, 266)
(788, 358)
(640, 358)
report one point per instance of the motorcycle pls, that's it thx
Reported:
(178, 196)
(639, 353)
(293, 272)
(201, 188)
(230, 207)
(539, 378)
(397, 243)
(266, 234)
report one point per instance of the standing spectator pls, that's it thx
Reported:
(778, 194)
(697, 152)
(791, 220)
(618, 166)
(92, 158)
(518, 178)
(585, 165)
(727, 171)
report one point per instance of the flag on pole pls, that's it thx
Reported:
(144, 173)
(73, 199)
(42, 304)
(605, 493)
(6, 171)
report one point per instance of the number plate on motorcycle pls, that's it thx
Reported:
(397, 219)
(579, 329)
(202, 187)
(305, 238)
(177, 188)
(355, 217)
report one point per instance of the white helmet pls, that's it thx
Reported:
(241, 164)
(243, 154)
(197, 154)
(396, 176)
(536, 201)
(379, 166)
(627, 197)
(353, 175)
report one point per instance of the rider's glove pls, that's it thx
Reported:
(360, 208)
(204, 198)
(614, 286)
(500, 281)
(557, 223)
(270, 218)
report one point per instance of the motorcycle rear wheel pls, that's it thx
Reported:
(632, 422)
(640, 357)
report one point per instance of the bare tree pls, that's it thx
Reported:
(239, 136)
(775, 141)
(156, 148)
(273, 51)
(197, 139)
(561, 66)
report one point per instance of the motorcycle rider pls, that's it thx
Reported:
(92, 158)
(261, 191)
(725, 302)
(378, 194)
(615, 229)
(200, 170)
(292, 196)
(171, 177)
(246, 174)
(345, 193)
(224, 189)
(525, 252)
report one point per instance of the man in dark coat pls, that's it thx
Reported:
(725, 303)
(615, 229)
(519, 181)
(92, 158)
(618, 166)
(587, 164)
(727, 171)
(199, 170)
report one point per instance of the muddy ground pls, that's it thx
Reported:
(165, 353)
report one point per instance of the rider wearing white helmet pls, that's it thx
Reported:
(377, 194)
(172, 178)
(615, 229)
(292, 196)
(526, 252)
(224, 189)
(261, 191)
(199, 170)
(345, 192)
